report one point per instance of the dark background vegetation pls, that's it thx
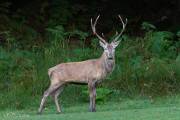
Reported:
(38, 34)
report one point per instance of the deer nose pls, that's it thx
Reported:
(110, 56)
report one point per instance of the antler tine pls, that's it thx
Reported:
(96, 20)
(94, 29)
(124, 26)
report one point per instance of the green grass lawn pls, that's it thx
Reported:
(136, 109)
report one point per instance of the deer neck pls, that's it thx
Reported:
(107, 64)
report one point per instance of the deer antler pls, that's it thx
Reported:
(94, 29)
(124, 26)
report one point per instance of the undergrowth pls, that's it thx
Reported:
(145, 66)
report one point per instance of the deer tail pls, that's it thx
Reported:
(50, 72)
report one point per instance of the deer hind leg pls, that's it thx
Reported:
(49, 91)
(92, 95)
(55, 97)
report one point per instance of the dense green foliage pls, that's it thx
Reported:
(148, 65)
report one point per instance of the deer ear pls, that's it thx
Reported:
(115, 43)
(102, 44)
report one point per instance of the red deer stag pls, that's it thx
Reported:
(90, 72)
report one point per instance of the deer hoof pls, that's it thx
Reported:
(39, 113)
(58, 112)
(92, 110)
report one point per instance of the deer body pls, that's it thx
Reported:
(90, 72)
(82, 72)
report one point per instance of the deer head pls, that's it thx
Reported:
(109, 48)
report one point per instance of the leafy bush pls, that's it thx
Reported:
(161, 44)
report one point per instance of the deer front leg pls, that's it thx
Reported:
(94, 98)
(92, 95)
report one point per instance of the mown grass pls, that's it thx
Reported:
(166, 108)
